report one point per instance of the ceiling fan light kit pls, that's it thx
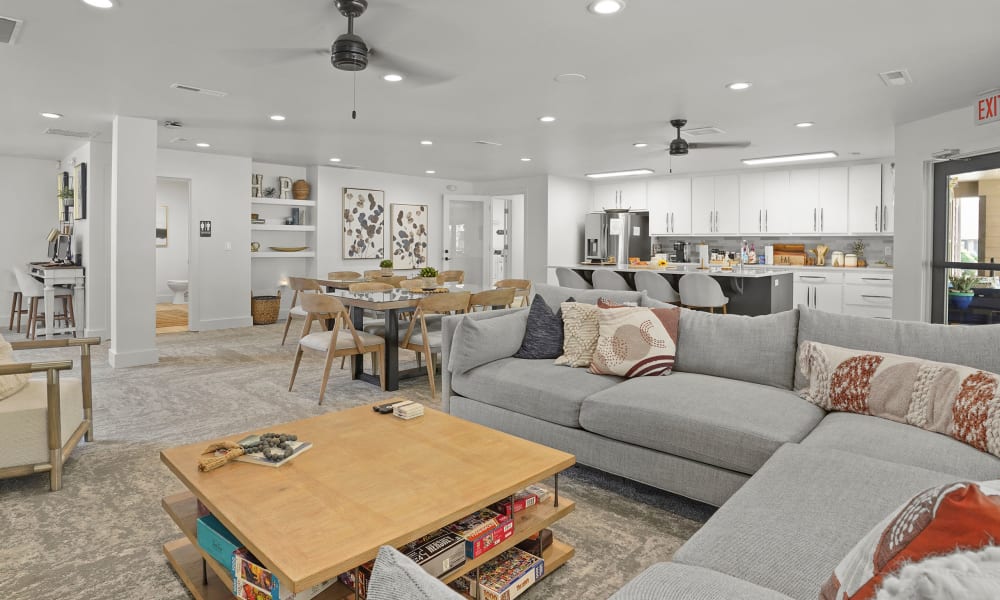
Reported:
(679, 146)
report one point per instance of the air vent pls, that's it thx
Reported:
(9, 28)
(487, 143)
(895, 78)
(191, 88)
(171, 124)
(703, 131)
(73, 134)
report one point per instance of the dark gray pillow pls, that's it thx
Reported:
(543, 336)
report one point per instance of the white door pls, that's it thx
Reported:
(727, 204)
(864, 194)
(703, 205)
(467, 222)
(833, 200)
(802, 202)
(679, 204)
(777, 216)
(658, 202)
(751, 203)
(500, 240)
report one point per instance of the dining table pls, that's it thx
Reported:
(392, 304)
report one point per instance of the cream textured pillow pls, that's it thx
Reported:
(636, 342)
(10, 384)
(580, 331)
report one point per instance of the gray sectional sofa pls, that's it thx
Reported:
(796, 487)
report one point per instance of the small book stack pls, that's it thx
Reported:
(408, 410)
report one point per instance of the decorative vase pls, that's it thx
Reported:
(961, 300)
(301, 190)
(386, 271)
(430, 282)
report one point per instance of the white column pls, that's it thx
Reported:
(133, 253)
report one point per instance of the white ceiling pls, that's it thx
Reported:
(808, 61)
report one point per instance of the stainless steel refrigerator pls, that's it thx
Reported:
(616, 234)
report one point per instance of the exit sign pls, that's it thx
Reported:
(987, 107)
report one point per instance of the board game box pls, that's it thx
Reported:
(438, 552)
(252, 581)
(364, 574)
(482, 530)
(505, 577)
(522, 500)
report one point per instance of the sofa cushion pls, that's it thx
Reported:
(23, 421)
(635, 342)
(536, 388)
(555, 295)
(723, 422)
(789, 526)
(672, 581)
(755, 349)
(969, 346)
(479, 341)
(904, 444)
(543, 334)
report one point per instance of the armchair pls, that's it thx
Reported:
(42, 424)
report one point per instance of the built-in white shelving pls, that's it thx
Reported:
(283, 227)
(283, 202)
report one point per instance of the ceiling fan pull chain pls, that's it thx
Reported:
(354, 113)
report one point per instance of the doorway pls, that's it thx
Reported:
(965, 280)
(481, 237)
(173, 218)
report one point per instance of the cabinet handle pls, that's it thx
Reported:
(814, 219)
(818, 277)
(874, 296)
(876, 219)
(765, 220)
(672, 222)
(885, 217)
(822, 227)
(760, 220)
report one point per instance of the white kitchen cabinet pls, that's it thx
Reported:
(833, 194)
(865, 209)
(620, 194)
(868, 293)
(669, 204)
(819, 289)
(803, 201)
(888, 198)
(752, 203)
(703, 205)
(715, 205)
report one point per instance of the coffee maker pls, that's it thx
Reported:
(684, 252)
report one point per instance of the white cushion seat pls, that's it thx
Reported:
(23, 418)
(433, 339)
(321, 340)
(298, 311)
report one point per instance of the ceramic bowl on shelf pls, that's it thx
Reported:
(289, 248)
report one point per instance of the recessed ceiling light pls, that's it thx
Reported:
(392, 77)
(203, 145)
(620, 173)
(546, 119)
(771, 160)
(525, 159)
(100, 3)
(639, 145)
(430, 171)
(49, 115)
(570, 78)
(426, 143)
(606, 7)
(739, 85)
(805, 124)
(334, 160)
(277, 117)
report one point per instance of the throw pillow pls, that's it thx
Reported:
(958, 516)
(485, 338)
(636, 342)
(10, 384)
(603, 302)
(955, 576)
(580, 331)
(950, 399)
(543, 336)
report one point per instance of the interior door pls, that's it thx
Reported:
(500, 239)
(467, 221)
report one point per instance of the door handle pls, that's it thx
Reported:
(814, 297)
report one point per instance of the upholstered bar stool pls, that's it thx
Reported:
(701, 291)
(34, 292)
(571, 279)
(609, 280)
(656, 286)
(16, 305)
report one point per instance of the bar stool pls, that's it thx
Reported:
(35, 293)
(701, 291)
(609, 280)
(16, 306)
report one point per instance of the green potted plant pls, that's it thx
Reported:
(429, 275)
(66, 193)
(859, 249)
(960, 292)
(386, 266)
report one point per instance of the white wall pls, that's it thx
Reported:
(915, 142)
(172, 260)
(219, 272)
(27, 213)
(568, 204)
(533, 223)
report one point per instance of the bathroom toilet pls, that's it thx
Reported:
(179, 288)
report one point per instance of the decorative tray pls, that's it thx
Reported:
(289, 248)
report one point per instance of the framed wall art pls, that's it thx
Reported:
(80, 192)
(364, 223)
(409, 236)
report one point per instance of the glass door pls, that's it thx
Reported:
(500, 244)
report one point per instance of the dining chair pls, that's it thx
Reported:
(342, 340)
(455, 276)
(373, 273)
(412, 284)
(426, 341)
(609, 280)
(371, 286)
(702, 292)
(343, 275)
(571, 279)
(300, 286)
(656, 286)
(522, 289)
(32, 290)
(488, 299)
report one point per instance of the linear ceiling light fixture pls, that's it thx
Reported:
(620, 173)
(789, 158)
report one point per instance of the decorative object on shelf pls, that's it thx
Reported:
(285, 188)
(80, 191)
(820, 254)
(859, 249)
(409, 235)
(837, 258)
(850, 260)
(266, 447)
(960, 292)
(289, 220)
(161, 226)
(62, 184)
(264, 309)
(288, 248)
(429, 275)
(256, 185)
(269, 192)
(254, 246)
(386, 266)
(296, 216)
(364, 223)
(301, 190)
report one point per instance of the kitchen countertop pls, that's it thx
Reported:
(678, 268)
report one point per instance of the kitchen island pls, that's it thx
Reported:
(754, 290)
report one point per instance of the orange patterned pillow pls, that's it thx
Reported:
(959, 516)
(636, 342)
(950, 399)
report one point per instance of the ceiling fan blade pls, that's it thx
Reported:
(411, 71)
(697, 145)
(272, 57)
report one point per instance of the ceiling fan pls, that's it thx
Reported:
(679, 146)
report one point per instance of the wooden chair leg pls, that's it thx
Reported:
(55, 475)
(288, 323)
(32, 318)
(381, 372)
(13, 306)
(326, 375)
(430, 373)
(20, 310)
(724, 311)
(72, 315)
(295, 368)
(343, 361)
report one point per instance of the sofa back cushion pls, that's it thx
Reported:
(481, 338)
(555, 295)
(755, 349)
(970, 346)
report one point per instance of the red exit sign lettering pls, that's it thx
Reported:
(987, 107)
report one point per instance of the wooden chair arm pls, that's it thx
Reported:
(41, 367)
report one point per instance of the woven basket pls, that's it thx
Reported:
(264, 309)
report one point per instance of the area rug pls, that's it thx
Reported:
(100, 537)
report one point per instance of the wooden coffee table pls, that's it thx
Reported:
(369, 480)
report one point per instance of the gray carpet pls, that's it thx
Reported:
(100, 537)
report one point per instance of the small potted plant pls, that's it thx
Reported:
(66, 193)
(429, 275)
(960, 292)
(386, 266)
(859, 249)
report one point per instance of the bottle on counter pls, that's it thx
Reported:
(752, 255)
